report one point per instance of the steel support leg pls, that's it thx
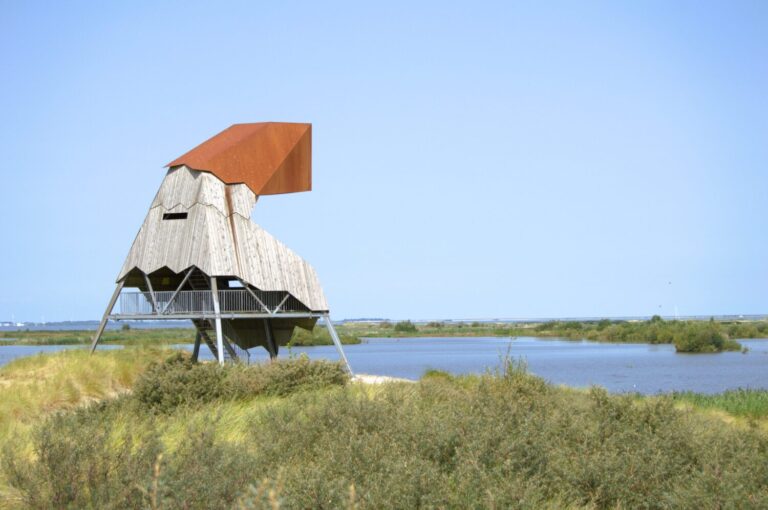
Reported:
(217, 311)
(271, 344)
(103, 323)
(337, 342)
(196, 350)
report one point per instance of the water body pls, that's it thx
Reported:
(620, 368)
(11, 352)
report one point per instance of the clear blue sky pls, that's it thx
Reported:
(470, 159)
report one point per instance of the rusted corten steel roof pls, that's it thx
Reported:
(268, 157)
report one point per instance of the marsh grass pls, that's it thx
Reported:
(747, 403)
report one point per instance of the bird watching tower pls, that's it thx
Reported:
(198, 255)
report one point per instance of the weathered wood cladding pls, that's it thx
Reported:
(218, 237)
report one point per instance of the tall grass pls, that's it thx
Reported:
(37, 385)
(748, 403)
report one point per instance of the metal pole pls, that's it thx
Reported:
(278, 307)
(196, 350)
(217, 311)
(104, 319)
(253, 294)
(336, 341)
(271, 345)
(173, 296)
(155, 309)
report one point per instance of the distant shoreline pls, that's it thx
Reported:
(686, 336)
(173, 324)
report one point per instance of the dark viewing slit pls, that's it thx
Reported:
(175, 216)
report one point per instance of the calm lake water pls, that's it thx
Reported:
(642, 368)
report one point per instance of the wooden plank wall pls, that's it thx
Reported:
(218, 237)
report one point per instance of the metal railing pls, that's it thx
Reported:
(201, 302)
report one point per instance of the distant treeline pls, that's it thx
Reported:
(687, 336)
(167, 336)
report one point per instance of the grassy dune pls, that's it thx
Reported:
(35, 386)
(296, 434)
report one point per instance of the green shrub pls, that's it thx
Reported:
(504, 441)
(405, 327)
(435, 373)
(319, 336)
(742, 330)
(178, 381)
(602, 324)
(283, 377)
(703, 337)
(205, 472)
(687, 336)
(78, 464)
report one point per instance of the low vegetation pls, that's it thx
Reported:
(744, 403)
(125, 336)
(160, 336)
(180, 382)
(319, 336)
(687, 336)
(36, 385)
(294, 434)
(405, 327)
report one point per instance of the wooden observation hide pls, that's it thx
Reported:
(198, 255)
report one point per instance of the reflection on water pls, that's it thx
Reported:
(642, 368)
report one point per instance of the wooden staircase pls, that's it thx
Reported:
(207, 328)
